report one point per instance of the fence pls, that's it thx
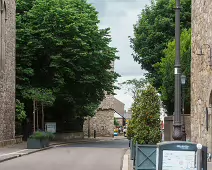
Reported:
(143, 156)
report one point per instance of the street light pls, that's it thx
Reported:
(183, 81)
(177, 131)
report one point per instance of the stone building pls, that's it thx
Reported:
(201, 73)
(103, 121)
(7, 71)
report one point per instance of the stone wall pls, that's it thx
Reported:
(201, 73)
(168, 127)
(7, 72)
(102, 122)
(68, 136)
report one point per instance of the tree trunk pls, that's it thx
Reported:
(42, 117)
(33, 115)
(37, 115)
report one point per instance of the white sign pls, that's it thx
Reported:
(178, 160)
(50, 127)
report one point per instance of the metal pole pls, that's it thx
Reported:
(177, 131)
(183, 110)
(199, 157)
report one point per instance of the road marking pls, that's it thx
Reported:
(14, 153)
(125, 162)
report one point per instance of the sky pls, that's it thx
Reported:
(120, 16)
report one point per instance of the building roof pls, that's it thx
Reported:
(117, 115)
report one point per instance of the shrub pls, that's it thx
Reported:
(146, 116)
(42, 135)
(130, 132)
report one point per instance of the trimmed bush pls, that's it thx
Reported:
(145, 123)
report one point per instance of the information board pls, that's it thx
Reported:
(50, 127)
(178, 160)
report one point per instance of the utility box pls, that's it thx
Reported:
(179, 155)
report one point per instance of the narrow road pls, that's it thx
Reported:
(105, 155)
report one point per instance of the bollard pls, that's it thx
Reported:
(199, 156)
(94, 134)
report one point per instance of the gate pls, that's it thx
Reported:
(145, 157)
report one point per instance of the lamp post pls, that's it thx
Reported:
(183, 81)
(177, 131)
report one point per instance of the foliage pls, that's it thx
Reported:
(20, 112)
(20, 117)
(116, 123)
(50, 135)
(154, 29)
(63, 58)
(130, 132)
(166, 68)
(42, 135)
(146, 116)
(134, 85)
(38, 135)
(41, 95)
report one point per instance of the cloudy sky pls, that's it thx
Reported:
(120, 15)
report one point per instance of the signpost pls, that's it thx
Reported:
(50, 127)
(179, 155)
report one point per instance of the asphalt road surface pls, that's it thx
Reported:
(105, 155)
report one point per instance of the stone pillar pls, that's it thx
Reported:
(7, 74)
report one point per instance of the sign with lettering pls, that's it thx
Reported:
(178, 160)
(50, 127)
(179, 155)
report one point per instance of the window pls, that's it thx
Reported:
(3, 19)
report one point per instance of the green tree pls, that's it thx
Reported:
(39, 97)
(166, 70)
(116, 123)
(154, 29)
(130, 130)
(146, 116)
(134, 85)
(60, 47)
(20, 116)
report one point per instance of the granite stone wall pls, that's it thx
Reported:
(103, 121)
(7, 72)
(201, 72)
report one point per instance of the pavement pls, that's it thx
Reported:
(104, 154)
(209, 165)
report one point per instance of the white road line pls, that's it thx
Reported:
(125, 162)
(13, 153)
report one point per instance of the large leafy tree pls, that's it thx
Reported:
(134, 85)
(166, 70)
(61, 48)
(154, 29)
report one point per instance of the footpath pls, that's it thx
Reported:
(18, 150)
